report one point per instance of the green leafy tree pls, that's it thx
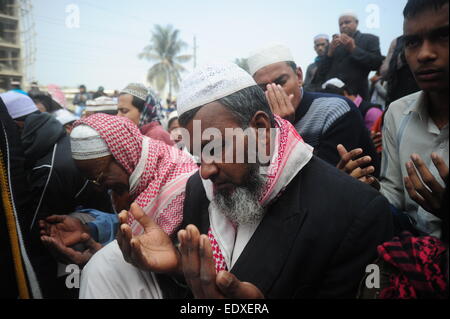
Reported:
(165, 52)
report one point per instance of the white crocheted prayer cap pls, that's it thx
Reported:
(137, 90)
(18, 104)
(349, 14)
(322, 36)
(87, 144)
(334, 81)
(211, 83)
(268, 55)
(65, 116)
(102, 103)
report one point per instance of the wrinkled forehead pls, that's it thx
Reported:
(270, 73)
(347, 19)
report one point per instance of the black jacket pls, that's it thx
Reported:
(53, 174)
(354, 68)
(315, 240)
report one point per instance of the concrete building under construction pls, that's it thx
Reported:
(10, 44)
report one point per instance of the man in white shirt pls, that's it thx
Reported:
(415, 134)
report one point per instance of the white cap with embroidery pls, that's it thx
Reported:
(268, 55)
(211, 83)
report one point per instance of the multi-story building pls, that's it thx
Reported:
(10, 44)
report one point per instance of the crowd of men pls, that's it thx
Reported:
(322, 176)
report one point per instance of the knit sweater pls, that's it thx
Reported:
(325, 121)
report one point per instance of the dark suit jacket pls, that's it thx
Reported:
(315, 240)
(354, 68)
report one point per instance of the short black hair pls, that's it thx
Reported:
(243, 104)
(293, 65)
(137, 102)
(414, 7)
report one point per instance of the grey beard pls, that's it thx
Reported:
(242, 207)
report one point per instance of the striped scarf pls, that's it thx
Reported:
(421, 263)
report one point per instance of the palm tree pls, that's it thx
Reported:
(164, 51)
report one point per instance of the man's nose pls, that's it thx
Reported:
(427, 52)
(208, 170)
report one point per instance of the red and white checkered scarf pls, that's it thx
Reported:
(158, 172)
(291, 154)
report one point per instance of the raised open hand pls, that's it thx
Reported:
(422, 186)
(280, 103)
(153, 250)
(64, 229)
(68, 255)
(200, 273)
(352, 164)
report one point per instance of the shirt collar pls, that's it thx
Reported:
(420, 107)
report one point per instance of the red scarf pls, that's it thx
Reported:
(158, 172)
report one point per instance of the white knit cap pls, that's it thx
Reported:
(211, 83)
(137, 90)
(65, 116)
(18, 104)
(102, 103)
(268, 55)
(349, 14)
(87, 144)
(334, 81)
(322, 36)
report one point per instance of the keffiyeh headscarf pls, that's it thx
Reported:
(158, 172)
(152, 110)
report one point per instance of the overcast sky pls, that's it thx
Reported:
(104, 49)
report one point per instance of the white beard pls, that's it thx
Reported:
(242, 207)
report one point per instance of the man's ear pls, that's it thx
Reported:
(260, 120)
(300, 76)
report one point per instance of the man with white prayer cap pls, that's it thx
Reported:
(321, 43)
(248, 226)
(324, 121)
(102, 104)
(351, 56)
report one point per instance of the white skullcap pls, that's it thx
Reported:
(18, 104)
(334, 81)
(211, 83)
(102, 103)
(269, 55)
(87, 144)
(137, 90)
(322, 36)
(65, 117)
(173, 115)
(349, 14)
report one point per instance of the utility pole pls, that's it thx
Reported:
(195, 51)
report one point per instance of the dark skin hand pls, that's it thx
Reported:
(351, 164)
(422, 186)
(200, 274)
(154, 251)
(68, 255)
(280, 103)
(151, 251)
(377, 139)
(64, 229)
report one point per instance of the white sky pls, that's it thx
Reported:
(104, 49)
